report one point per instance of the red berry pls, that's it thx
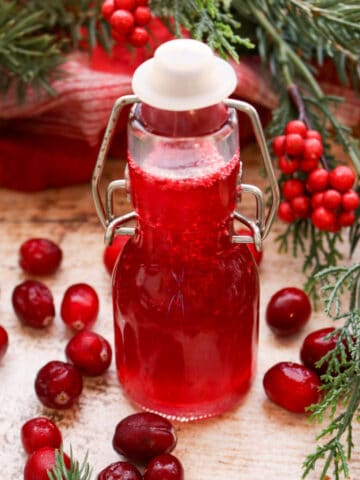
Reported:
(288, 165)
(313, 149)
(142, 16)
(314, 134)
(33, 304)
(256, 255)
(118, 37)
(342, 178)
(89, 352)
(296, 126)
(292, 386)
(164, 467)
(346, 219)
(285, 212)
(39, 256)
(58, 384)
(301, 206)
(142, 436)
(138, 37)
(350, 200)
(142, 2)
(108, 8)
(125, 4)
(317, 199)
(292, 188)
(288, 311)
(278, 145)
(318, 180)
(122, 21)
(112, 252)
(294, 144)
(40, 432)
(120, 471)
(80, 307)
(4, 341)
(332, 199)
(41, 462)
(308, 165)
(315, 346)
(323, 219)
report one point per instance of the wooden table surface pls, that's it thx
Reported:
(258, 440)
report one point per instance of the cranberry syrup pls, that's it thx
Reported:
(185, 297)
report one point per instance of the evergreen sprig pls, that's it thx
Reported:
(76, 471)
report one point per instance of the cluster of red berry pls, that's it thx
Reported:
(127, 19)
(310, 191)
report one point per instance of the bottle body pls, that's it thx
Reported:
(185, 298)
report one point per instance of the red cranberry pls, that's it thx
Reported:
(294, 144)
(122, 21)
(142, 2)
(317, 200)
(138, 37)
(58, 384)
(313, 149)
(315, 346)
(120, 471)
(292, 188)
(318, 180)
(323, 219)
(308, 164)
(288, 165)
(107, 9)
(89, 352)
(346, 219)
(41, 462)
(296, 126)
(279, 145)
(285, 212)
(342, 178)
(39, 256)
(80, 307)
(4, 341)
(125, 4)
(350, 200)
(142, 16)
(288, 310)
(33, 304)
(112, 252)
(292, 386)
(332, 199)
(256, 255)
(164, 467)
(142, 436)
(314, 134)
(301, 206)
(40, 432)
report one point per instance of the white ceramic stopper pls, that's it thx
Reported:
(183, 75)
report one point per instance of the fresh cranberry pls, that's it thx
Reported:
(323, 219)
(292, 386)
(122, 21)
(120, 471)
(278, 145)
(39, 256)
(256, 255)
(40, 432)
(332, 199)
(314, 134)
(296, 126)
(301, 206)
(107, 9)
(138, 37)
(308, 164)
(313, 149)
(285, 212)
(89, 352)
(350, 200)
(142, 16)
(292, 188)
(318, 180)
(294, 144)
(342, 178)
(80, 307)
(33, 304)
(58, 384)
(125, 4)
(142, 436)
(317, 200)
(288, 310)
(164, 467)
(346, 219)
(41, 462)
(315, 346)
(112, 252)
(288, 165)
(4, 341)
(142, 2)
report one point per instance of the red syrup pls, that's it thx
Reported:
(185, 298)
